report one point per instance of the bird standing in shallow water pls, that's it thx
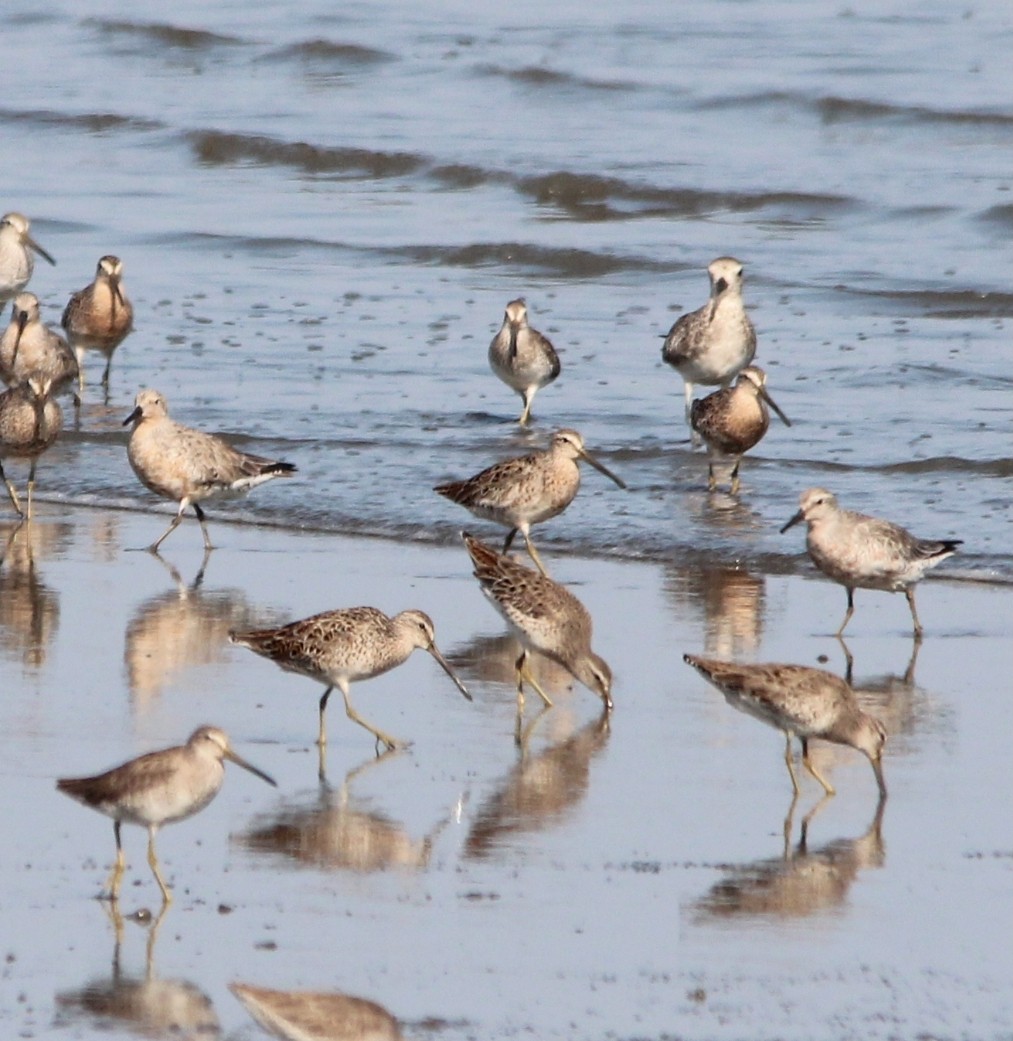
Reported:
(159, 788)
(178, 462)
(733, 420)
(99, 317)
(527, 490)
(30, 421)
(28, 347)
(522, 357)
(337, 648)
(714, 343)
(804, 703)
(16, 260)
(545, 617)
(862, 552)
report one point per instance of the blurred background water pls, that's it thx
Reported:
(322, 212)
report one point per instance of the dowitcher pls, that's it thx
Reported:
(862, 552)
(522, 357)
(337, 648)
(714, 343)
(545, 617)
(30, 421)
(28, 347)
(16, 260)
(100, 316)
(178, 462)
(803, 702)
(527, 490)
(733, 420)
(159, 788)
(301, 1015)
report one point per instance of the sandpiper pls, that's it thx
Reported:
(16, 260)
(862, 552)
(159, 788)
(30, 421)
(733, 420)
(28, 347)
(180, 463)
(545, 617)
(527, 490)
(522, 357)
(803, 702)
(99, 317)
(714, 343)
(337, 648)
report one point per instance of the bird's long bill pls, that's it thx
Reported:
(794, 520)
(601, 468)
(136, 414)
(117, 292)
(240, 761)
(445, 665)
(38, 249)
(773, 404)
(877, 769)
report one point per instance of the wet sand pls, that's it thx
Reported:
(623, 879)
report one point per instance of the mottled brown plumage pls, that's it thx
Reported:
(184, 464)
(338, 648)
(522, 357)
(30, 421)
(99, 317)
(546, 618)
(527, 490)
(733, 420)
(317, 1016)
(804, 703)
(29, 348)
(158, 788)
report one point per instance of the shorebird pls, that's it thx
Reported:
(733, 420)
(545, 617)
(30, 421)
(28, 347)
(317, 1016)
(714, 343)
(527, 490)
(803, 702)
(337, 648)
(862, 552)
(178, 462)
(100, 316)
(522, 357)
(159, 788)
(16, 260)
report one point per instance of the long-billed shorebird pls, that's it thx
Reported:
(712, 344)
(340, 647)
(522, 357)
(99, 317)
(527, 490)
(862, 552)
(804, 703)
(733, 420)
(30, 421)
(545, 617)
(16, 260)
(159, 788)
(180, 463)
(28, 347)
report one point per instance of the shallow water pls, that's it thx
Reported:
(322, 217)
(322, 214)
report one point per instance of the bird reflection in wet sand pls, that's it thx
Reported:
(894, 698)
(158, 788)
(541, 790)
(144, 1005)
(732, 601)
(546, 618)
(181, 628)
(29, 609)
(802, 882)
(337, 830)
(299, 1015)
(802, 702)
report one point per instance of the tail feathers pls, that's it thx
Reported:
(452, 490)
(484, 558)
(938, 547)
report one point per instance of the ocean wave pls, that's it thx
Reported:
(91, 122)
(540, 76)
(936, 303)
(164, 34)
(321, 51)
